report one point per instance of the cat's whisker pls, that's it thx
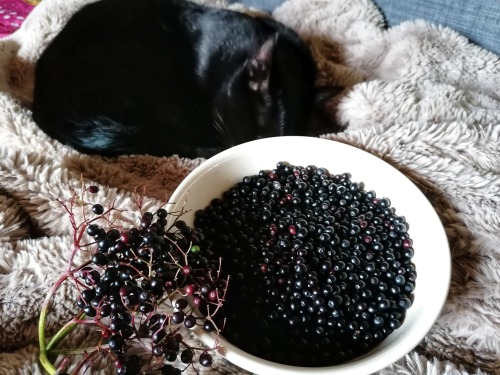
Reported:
(223, 132)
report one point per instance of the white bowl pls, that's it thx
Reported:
(432, 256)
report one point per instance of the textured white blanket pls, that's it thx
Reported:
(420, 97)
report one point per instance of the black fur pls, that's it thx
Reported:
(166, 77)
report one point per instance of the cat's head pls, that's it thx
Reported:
(270, 94)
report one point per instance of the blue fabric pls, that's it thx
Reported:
(478, 20)
(264, 5)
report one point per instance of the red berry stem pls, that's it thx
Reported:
(88, 358)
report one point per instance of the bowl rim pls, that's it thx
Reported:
(357, 365)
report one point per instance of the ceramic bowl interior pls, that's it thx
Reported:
(432, 256)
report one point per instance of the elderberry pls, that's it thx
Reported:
(206, 359)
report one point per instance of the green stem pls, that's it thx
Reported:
(44, 349)
(62, 333)
(47, 365)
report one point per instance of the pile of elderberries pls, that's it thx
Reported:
(321, 269)
(139, 291)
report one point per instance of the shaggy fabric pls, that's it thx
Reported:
(418, 96)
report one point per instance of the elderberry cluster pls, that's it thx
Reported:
(136, 289)
(321, 268)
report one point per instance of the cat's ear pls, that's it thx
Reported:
(259, 67)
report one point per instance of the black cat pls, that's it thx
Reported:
(166, 77)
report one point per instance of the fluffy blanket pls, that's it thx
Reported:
(420, 97)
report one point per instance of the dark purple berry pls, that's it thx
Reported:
(208, 326)
(177, 317)
(116, 343)
(161, 213)
(181, 304)
(187, 355)
(170, 355)
(206, 359)
(158, 336)
(190, 321)
(89, 311)
(99, 259)
(98, 209)
(146, 308)
(92, 229)
(88, 295)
